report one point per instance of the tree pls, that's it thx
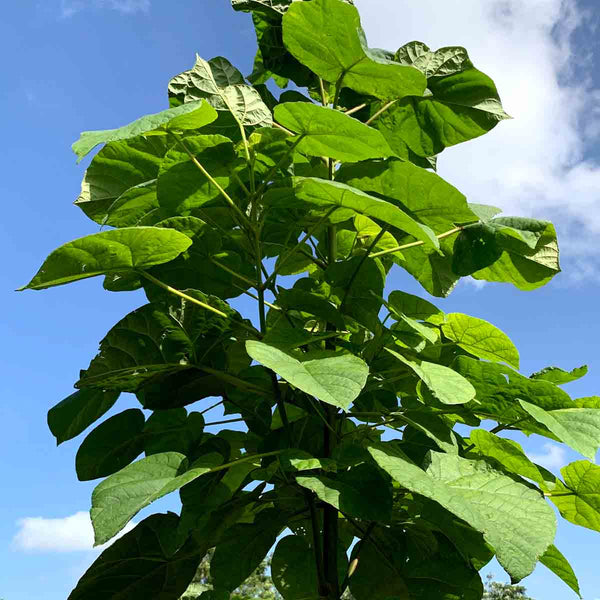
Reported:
(503, 591)
(306, 203)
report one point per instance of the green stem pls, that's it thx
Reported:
(351, 111)
(232, 272)
(381, 111)
(441, 236)
(208, 176)
(223, 422)
(283, 259)
(318, 554)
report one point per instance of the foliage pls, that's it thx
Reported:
(503, 591)
(360, 456)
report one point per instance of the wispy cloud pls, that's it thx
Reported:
(554, 457)
(69, 534)
(538, 164)
(68, 8)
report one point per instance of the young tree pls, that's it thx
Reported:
(503, 591)
(306, 203)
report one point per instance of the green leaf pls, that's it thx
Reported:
(326, 36)
(413, 306)
(77, 412)
(333, 193)
(118, 167)
(121, 496)
(111, 446)
(173, 431)
(136, 206)
(190, 116)
(505, 511)
(181, 186)
(559, 565)
(462, 104)
(579, 428)
(495, 256)
(507, 453)
(332, 377)
(481, 339)
(376, 578)
(109, 252)
(222, 86)
(579, 501)
(446, 385)
(323, 131)
(144, 564)
(445, 61)
(360, 492)
(559, 376)
(499, 388)
(155, 341)
(243, 550)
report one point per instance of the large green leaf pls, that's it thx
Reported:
(579, 428)
(332, 377)
(360, 492)
(559, 565)
(499, 388)
(507, 453)
(523, 252)
(121, 496)
(111, 446)
(414, 307)
(445, 384)
(77, 412)
(109, 252)
(560, 376)
(462, 104)
(578, 501)
(196, 115)
(326, 36)
(157, 340)
(327, 132)
(222, 86)
(144, 564)
(505, 511)
(173, 431)
(244, 548)
(118, 167)
(480, 338)
(333, 193)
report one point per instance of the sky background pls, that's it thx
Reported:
(74, 65)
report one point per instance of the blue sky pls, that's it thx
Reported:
(72, 65)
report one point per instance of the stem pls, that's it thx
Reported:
(223, 422)
(275, 124)
(360, 264)
(283, 259)
(318, 554)
(351, 111)
(211, 407)
(354, 563)
(208, 176)
(330, 518)
(381, 111)
(255, 297)
(232, 272)
(441, 236)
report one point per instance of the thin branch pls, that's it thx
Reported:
(211, 407)
(381, 111)
(223, 422)
(441, 236)
(275, 124)
(351, 111)
(354, 564)
(223, 193)
(232, 272)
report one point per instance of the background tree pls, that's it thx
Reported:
(495, 590)
(360, 415)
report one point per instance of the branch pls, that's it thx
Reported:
(441, 236)
(381, 111)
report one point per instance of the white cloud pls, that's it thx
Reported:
(68, 534)
(536, 164)
(68, 8)
(553, 457)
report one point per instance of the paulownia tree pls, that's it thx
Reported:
(360, 457)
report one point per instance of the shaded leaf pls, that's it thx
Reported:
(77, 412)
(559, 565)
(111, 446)
(559, 376)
